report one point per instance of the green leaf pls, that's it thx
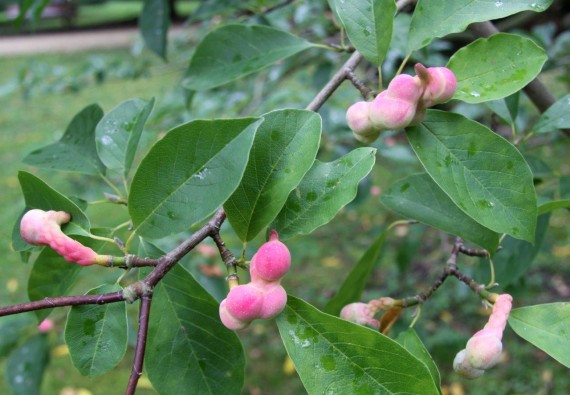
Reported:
(75, 151)
(154, 22)
(39, 195)
(439, 18)
(96, 335)
(324, 190)
(411, 342)
(234, 51)
(419, 197)
(26, 365)
(554, 205)
(506, 108)
(481, 172)
(11, 329)
(53, 276)
(189, 349)
(352, 287)
(547, 326)
(119, 132)
(515, 257)
(555, 118)
(332, 355)
(368, 24)
(495, 67)
(189, 174)
(284, 149)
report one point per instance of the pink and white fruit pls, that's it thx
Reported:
(484, 348)
(39, 227)
(272, 261)
(360, 313)
(229, 320)
(244, 302)
(274, 300)
(395, 107)
(461, 366)
(440, 84)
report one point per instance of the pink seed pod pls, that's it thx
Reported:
(39, 227)
(244, 302)
(405, 87)
(360, 313)
(461, 366)
(388, 113)
(483, 350)
(499, 316)
(272, 261)
(440, 84)
(357, 118)
(274, 300)
(229, 320)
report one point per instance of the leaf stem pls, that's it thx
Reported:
(403, 64)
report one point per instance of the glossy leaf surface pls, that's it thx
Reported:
(284, 149)
(189, 174)
(495, 67)
(336, 356)
(324, 190)
(484, 175)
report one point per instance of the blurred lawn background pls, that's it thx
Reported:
(40, 94)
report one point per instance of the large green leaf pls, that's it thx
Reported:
(39, 195)
(189, 174)
(333, 356)
(26, 365)
(419, 197)
(154, 22)
(411, 342)
(368, 24)
(119, 132)
(438, 18)
(555, 118)
(495, 67)
(96, 335)
(352, 287)
(233, 51)
(481, 172)
(189, 351)
(547, 326)
(76, 150)
(53, 276)
(324, 190)
(515, 256)
(284, 149)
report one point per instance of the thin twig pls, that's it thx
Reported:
(365, 91)
(137, 370)
(60, 301)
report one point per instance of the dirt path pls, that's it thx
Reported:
(72, 41)
(68, 42)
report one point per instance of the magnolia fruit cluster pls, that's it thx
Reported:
(39, 227)
(263, 297)
(403, 103)
(483, 350)
(363, 313)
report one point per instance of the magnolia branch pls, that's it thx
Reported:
(449, 270)
(137, 369)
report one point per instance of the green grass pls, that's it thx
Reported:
(40, 120)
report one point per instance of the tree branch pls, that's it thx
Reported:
(137, 370)
(48, 303)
